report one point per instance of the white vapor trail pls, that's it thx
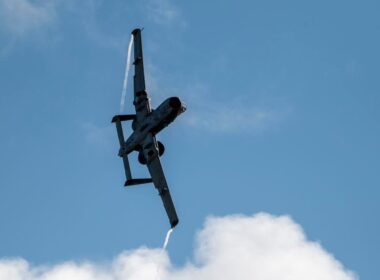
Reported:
(167, 238)
(166, 242)
(127, 66)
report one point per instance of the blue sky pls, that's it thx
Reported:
(282, 118)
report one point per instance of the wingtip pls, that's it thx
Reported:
(135, 31)
(174, 223)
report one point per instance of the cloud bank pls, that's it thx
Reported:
(259, 247)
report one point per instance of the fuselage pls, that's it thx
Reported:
(154, 122)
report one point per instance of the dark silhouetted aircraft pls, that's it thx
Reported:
(146, 123)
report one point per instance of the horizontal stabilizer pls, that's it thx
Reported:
(132, 182)
(123, 118)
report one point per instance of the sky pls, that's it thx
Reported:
(273, 168)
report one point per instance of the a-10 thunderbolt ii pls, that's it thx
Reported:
(146, 124)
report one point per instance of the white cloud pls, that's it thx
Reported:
(260, 247)
(19, 17)
(163, 12)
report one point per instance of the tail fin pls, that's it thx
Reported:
(120, 135)
(133, 182)
(129, 182)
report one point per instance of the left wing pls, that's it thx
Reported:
(159, 181)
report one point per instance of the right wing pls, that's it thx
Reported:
(141, 99)
(159, 181)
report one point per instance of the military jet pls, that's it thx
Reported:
(146, 124)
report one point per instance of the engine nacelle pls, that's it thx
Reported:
(141, 158)
(161, 148)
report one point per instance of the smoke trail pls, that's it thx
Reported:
(127, 66)
(166, 242)
(167, 239)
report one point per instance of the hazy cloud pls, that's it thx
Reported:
(21, 18)
(18, 17)
(245, 113)
(163, 12)
(232, 118)
(96, 135)
(233, 247)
